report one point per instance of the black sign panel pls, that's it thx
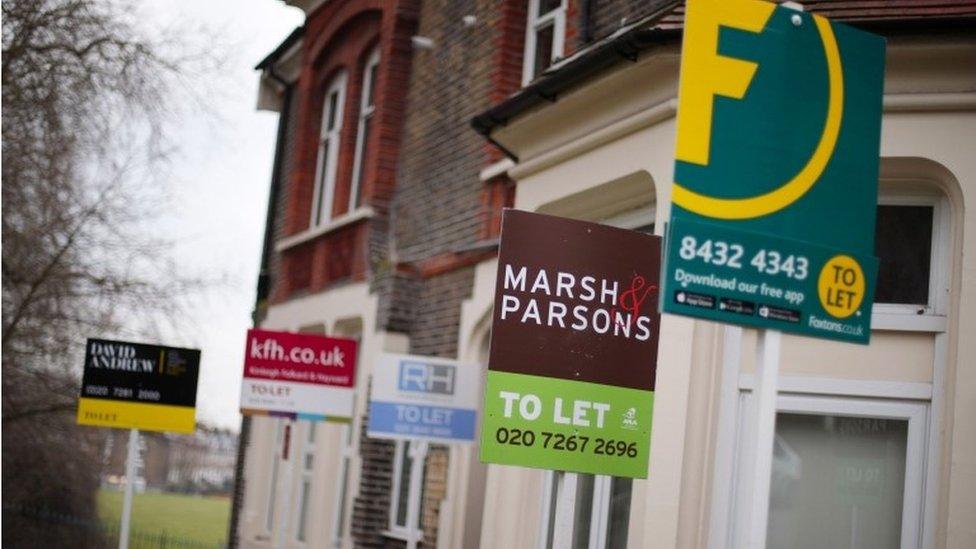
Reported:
(136, 372)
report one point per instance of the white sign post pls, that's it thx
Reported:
(767, 378)
(132, 456)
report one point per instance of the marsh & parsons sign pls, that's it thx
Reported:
(139, 386)
(423, 398)
(570, 383)
(301, 376)
(776, 172)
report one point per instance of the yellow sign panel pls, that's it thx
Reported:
(101, 412)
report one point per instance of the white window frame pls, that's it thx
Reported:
(932, 317)
(914, 499)
(411, 532)
(556, 18)
(366, 110)
(307, 474)
(328, 152)
(895, 317)
(558, 524)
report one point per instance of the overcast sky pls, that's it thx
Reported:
(221, 177)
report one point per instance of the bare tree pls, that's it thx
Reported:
(85, 101)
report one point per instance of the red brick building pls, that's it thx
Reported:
(383, 221)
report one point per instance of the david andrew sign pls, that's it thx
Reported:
(423, 398)
(139, 386)
(776, 171)
(301, 376)
(570, 382)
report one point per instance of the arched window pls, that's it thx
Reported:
(328, 153)
(367, 106)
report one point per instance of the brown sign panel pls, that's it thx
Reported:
(576, 301)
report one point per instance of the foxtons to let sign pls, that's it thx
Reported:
(776, 171)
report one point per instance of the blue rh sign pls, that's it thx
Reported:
(423, 398)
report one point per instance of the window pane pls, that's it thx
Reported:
(361, 157)
(372, 85)
(309, 460)
(303, 511)
(403, 497)
(323, 167)
(619, 517)
(551, 519)
(333, 99)
(837, 482)
(545, 6)
(311, 431)
(583, 511)
(543, 49)
(903, 243)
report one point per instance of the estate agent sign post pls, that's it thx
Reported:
(775, 186)
(138, 386)
(570, 382)
(299, 377)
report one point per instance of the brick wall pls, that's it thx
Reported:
(288, 134)
(339, 38)
(606, 16)
(370, 509)
(435, 490)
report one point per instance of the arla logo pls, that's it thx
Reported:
(421, 377)
(630, 419)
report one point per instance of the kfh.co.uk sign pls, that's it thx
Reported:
(299, 375)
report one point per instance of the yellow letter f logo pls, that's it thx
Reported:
(705, 73)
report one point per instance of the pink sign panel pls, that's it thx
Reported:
(298, 375)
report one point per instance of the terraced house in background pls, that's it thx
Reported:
(383, 225)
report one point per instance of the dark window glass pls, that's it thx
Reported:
(403, 498)
(324, 155)
(543, 49)
(303, 514)
(903, 243)
(545, 6)
(620, 489)
(583, 511)
(357, 200)
(333, 99)
(372, 85)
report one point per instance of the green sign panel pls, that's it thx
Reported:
(573, 347)
(775, 182)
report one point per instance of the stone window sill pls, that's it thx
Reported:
(364, 212)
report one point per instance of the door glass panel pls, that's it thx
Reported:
(903, 244)
(619, 516)
(837, 482)
(583, 511)
(403, 498)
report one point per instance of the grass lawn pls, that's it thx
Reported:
(197, 518)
